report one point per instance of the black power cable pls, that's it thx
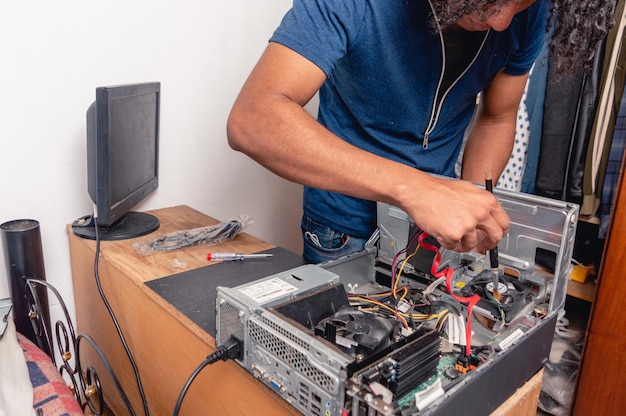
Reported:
(230, 350)
(117, 325)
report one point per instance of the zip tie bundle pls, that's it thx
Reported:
(211, 235)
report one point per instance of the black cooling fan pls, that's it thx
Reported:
(514, 295)
(358, 332)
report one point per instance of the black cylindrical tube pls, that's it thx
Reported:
(23, 255)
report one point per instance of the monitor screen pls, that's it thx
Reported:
(122, 160)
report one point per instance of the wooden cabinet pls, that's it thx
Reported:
(168, 346)
(600, 389)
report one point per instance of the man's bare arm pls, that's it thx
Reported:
(492, 135)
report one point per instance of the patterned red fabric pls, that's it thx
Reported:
(50, 391)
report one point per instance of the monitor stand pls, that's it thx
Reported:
(131, 225)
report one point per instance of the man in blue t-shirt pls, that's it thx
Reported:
(397, 92)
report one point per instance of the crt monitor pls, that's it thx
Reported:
(122, 160)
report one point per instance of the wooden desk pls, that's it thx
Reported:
(166, 344)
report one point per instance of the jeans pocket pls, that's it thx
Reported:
(322, 243)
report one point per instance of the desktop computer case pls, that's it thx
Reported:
(276, 317)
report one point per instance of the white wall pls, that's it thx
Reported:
(52, 57)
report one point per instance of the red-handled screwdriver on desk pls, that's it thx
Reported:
(236, 256)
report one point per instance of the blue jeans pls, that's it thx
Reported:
(322, 243)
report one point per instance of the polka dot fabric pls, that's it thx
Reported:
(511, 177)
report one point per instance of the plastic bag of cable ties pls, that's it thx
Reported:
(210, 235)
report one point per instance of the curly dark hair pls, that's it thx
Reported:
(576, 25)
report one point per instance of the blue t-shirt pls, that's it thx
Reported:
(383, 64)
